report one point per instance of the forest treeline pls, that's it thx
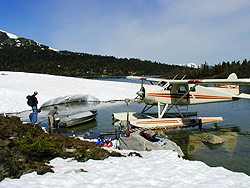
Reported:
(40, 59)
(221, 70)
(43, 60)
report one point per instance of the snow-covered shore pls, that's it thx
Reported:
(155, 169)
(15, 86)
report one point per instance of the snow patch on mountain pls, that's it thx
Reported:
(20, 41)
(12, 36)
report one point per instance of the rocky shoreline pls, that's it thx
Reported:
(25, 148)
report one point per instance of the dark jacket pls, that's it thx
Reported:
(34, 101)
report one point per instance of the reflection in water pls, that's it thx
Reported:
(230, 143)
(232, 154)
(79, 130)
(191, 140)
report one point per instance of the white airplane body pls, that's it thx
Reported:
(186, 92)
(199, 95)
(170, 93)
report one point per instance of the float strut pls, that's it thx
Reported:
(128, 131)
(200, 124)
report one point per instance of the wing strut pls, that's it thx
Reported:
(182, 98)
(161, 114)
(146, 108)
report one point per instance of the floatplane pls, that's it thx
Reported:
(169, 94)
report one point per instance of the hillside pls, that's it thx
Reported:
(20, 54)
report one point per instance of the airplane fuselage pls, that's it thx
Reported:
(188, 94)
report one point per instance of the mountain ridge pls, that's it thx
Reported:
(21, 54)
(12, 39)
(24, 55)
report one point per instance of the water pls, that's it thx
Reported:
(102, 124)
(233, 154)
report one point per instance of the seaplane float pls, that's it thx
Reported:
(168, 95)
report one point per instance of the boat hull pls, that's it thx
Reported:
(77, 119)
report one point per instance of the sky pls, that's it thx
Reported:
(166, 31)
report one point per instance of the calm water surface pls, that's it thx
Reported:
(233, 154)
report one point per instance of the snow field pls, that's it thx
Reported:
(155, 169)
(15, 86)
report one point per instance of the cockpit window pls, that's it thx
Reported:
(193, 89)
(182, 89)
(162, 83)
(170, 87)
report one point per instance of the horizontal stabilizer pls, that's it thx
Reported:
(242, 96)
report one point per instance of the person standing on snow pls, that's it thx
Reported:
(33, 104)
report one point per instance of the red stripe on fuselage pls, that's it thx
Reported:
(190, 96)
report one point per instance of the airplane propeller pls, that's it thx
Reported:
(141, 93)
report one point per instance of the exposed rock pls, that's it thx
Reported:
(150, 132)
(212, 139)
(139, 143)
(70, 150)
(87, 134)
(134, 154)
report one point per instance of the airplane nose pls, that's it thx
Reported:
(141, 93)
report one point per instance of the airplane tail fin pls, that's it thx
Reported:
(232, 76)
(236, 88)
(233, 89)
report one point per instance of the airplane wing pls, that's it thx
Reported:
(244, 81)
(145, 78)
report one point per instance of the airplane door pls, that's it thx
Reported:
(177, 92)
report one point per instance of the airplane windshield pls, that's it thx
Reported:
(162, 83)
(170, 87)
(182, 89)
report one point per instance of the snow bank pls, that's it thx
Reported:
(155, 169)
(70, 99)
(15, 86)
